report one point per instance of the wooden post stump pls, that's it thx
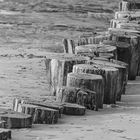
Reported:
(128, 15)
(67, 94)
(129, 26)
(40, 115)
(129, 5)
(88, 81)
(93, 39)
(123, 31)
(17, 104)
(15, 119)
(73, 109)
(79, 96)
(115, 22)
(124, 75)
(5, 134)
(110, 79)
(69, 46)
(71, 95)
(2, 124)
(96, 50)
(128, 51)
(121, 75)
(58, 67)
(91, 101)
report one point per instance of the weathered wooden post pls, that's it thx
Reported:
(69, 46)
(18, 102)
(129, 26)
(92, 50)
(120, 77)
(114, 23)
(88, 81)
(129, 5)
(123, 31)
(79, 96)
(128, 15)
(5, 134)
(15, 120)
(93, 40)
(73, 109)
(40, 115)
(128, 51)
(124, 75)
(58, 66)
(110, 75)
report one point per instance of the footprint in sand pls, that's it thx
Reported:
(117, 130)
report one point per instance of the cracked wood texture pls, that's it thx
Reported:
(124, 75)
(71, 95)
(129, 5)
(15, 119)
(128, 15)
(17, 103)
(88, 81)
(128, 51)
(96, 50)
(5, 134)
(59, 66)
(79, 96)
(129, 26)
(92, 39)
(110, 79)
(73, 109)
(40, 115)
(120, 76)
(69, 46)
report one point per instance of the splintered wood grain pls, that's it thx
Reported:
(17, 103)
(5, 134)
(109, 75)
(57, 68)
(88, 81)
(73, 109)
(41, 115)
(15, 119)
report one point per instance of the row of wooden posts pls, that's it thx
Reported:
(92, 72)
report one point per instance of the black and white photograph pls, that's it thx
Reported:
(69, 69)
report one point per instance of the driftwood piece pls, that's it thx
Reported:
(48, 104)
(15, 119)
(128, 51)
(120, 77)
(58, 67)
(108, 73)
(88, 81)
(79, 96)
(73, 109)
(5, 134)
(96, 50)
(40, 115)
(69, 46)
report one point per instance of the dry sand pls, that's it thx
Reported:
(29, 29)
